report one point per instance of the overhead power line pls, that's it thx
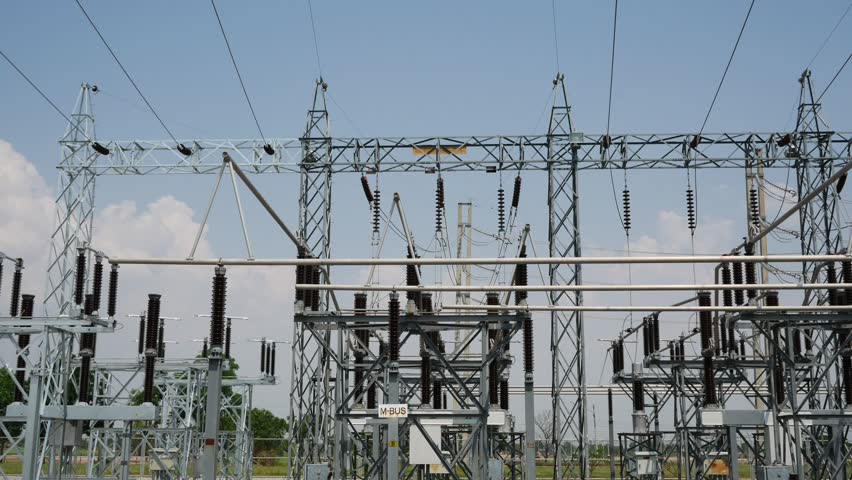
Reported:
(611, 67)
(834, 78)
(830, 34)
(555, 35)
(237, 69)
(126, 74)
(727, 67)
(316, 42)
(609, 109)
(40, 92)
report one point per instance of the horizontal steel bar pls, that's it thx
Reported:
(565, 288)
(650, 308)
(425, 321)
(678, 259)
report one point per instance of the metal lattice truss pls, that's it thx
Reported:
(466, 154)
(172, 443)
(467, 441)
(812, 149)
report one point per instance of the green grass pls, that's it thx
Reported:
(278, 467)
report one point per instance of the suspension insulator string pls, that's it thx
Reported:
(739, 294)
(754, 208)
(161, 344)
(706, 329)
(516, 192)
(626, 223)
(301, 278)
(17, 277)
(80, 277)
(377, 211)
(263, 356)
(613, 349)
(393, 327)
(412, 279)
(112, 292)
(692, 219)
(690, 209)
(141, 341)
(228, 338)
(728, 301)
(86, 352)
(365, 185)
(521, 299)
(439, 204)
(501, 211)
(151, 324)
(97, 282)
(217, 313)
(751, 273)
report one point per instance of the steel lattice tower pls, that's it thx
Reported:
(311, 394)
(567, 342)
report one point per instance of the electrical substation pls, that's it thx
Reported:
(434, 376)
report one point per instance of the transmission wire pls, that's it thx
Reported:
(834, 78)
(728, 66)
(609, 112)
(555, 35)
(43, 95)
(611, 176)
(126, 74)
(611, 67)
(825, 42)
(316, 43)
(237, 69)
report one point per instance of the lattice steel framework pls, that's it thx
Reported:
(567, 339)
(75, 203)
(311, 391)
(819, 225)
(317, 156)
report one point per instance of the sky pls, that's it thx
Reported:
(397, 68)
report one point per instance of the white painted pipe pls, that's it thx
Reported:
(676, 259)
(650, 308)
(568, 288)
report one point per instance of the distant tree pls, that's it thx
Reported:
(7, 389)
(544, 425)
(7, 396)
(265, 425)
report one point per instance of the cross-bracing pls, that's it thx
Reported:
(328, 410)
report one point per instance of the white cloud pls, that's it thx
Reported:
(26, 214)
(165, 228)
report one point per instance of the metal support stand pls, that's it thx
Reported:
(209, 458)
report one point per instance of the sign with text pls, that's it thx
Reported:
(393, 410)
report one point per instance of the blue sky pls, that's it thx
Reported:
(425, 68)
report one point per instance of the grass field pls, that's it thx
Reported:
(278, 468)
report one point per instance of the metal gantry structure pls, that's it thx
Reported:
(74, 416)
(334, 421)
(790, 369)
